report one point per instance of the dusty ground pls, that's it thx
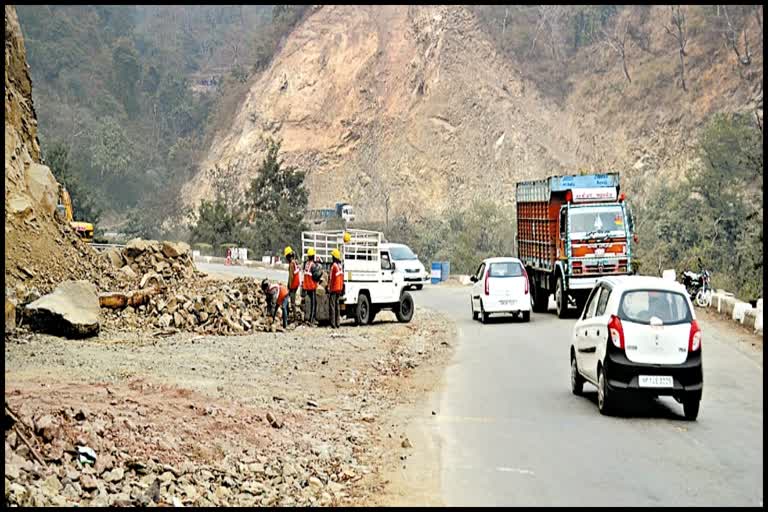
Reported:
(192, 413)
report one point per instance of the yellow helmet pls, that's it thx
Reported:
(311, 251)
(287, 251)
(336, 254)
(347, 237)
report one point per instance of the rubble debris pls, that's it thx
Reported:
(115, 257)
(86, 455)
(273, 421)
(72, 310)
(203, 306)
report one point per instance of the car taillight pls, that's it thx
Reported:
(525, 275)
(487, 291)
(616, 332)
(694, 339)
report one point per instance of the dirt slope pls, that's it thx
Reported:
(416, 102)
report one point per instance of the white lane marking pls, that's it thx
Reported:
(515, 470)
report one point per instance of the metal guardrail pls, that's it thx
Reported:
(104, 247)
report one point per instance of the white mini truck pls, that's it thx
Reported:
(370, 281)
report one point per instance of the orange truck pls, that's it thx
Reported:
(572, 230)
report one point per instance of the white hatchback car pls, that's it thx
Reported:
(500, 286)
(638, 335)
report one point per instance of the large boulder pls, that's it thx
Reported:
(136, 247)
(20, 205)
(115, 258)
(175, 249)
(42, 187)
(72, 310)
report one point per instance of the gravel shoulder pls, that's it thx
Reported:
(206, 408)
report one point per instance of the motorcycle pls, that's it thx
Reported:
(698, 286)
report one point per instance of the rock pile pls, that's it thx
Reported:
(74, 456)
(169, 261)
(202, 306)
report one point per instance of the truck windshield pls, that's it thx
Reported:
(402, 253)
(605, 220)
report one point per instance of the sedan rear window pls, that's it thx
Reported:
(641, 305)
(506, 269)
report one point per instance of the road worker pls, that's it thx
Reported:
(293, 278)
(310, 285)
(276, 294)
(335, 289)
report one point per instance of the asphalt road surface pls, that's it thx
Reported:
(511, 433)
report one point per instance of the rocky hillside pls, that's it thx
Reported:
(39, 251)
(418, 104)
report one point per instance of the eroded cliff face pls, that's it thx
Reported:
(414, 103)
(40, 251)
(27, 182)
(410, 101)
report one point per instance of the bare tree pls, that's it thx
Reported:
(617, 40)
(504, 24)
(733, 30)
(679, 31)
(551, 21)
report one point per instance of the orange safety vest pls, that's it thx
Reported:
(337, 278)
(293, 277)
(281, 294)
(309, 283)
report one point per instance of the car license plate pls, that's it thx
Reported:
(507, 302)
(655, 381)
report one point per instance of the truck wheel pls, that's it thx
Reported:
(363, 310)
(404, 311)
(540, 298)
(374, 310)
(561, 299)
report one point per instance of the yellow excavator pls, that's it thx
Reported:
(64, 208)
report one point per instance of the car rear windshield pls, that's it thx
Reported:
(506, 269)
(641, 305)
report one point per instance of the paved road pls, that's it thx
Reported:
(513, 434)
(219, 268)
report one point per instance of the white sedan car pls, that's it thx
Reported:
(500, 286)
(636, 336)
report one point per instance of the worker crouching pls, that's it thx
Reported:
(276, 297)
(335, 289)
